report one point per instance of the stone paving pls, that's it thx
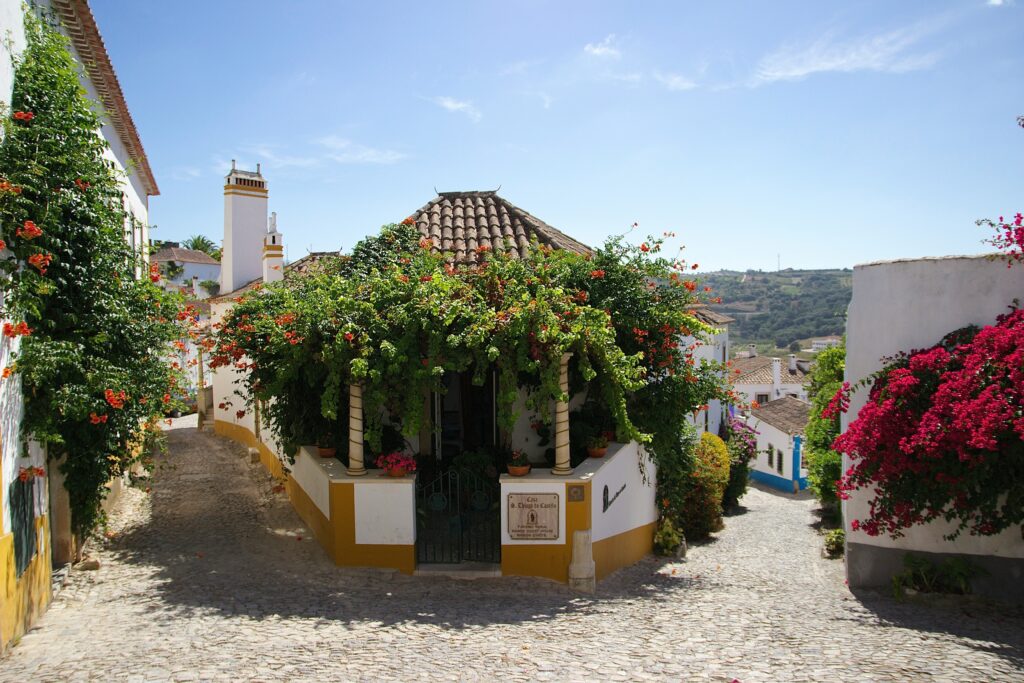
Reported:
(213, 577)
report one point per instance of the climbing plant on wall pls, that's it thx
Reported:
(88, 332)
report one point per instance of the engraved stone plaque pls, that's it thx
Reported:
(533, 516)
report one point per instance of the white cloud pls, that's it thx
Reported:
(674, 81)
(999, 3)
(546, 99)
(463, 107)
(344, 151)
(606, 48)
(886, 52)
(631, 78)
(267, 154)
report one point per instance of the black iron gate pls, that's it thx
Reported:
(458, 519)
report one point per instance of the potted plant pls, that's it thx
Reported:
(597, 446)
(325, 443)
(396, 464)
(518, 464)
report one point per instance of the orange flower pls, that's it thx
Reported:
(690, 285)
(3, 245)
(115, 399)
(409, 221)
(41, 262)
(426, 278)
(7, 372)
(349, 337)
(644, 248)
(597, 274)
(23, 116)
(154, 272)
(97, 419)
(28, 231)
(483, 249)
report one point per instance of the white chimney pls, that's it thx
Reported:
(751, 351)
(792, 362)
(273, 252)
(776, 377)
(245, 224)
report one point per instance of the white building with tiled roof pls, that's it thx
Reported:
(184, 269)
(780, 461)
(762, 378)
(35, 524)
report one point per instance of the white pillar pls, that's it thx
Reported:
(355, 431)
(562, 421)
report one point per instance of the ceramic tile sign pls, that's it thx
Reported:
(533, 516)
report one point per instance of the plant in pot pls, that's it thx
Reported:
(518, 464)
(325, 442)
(396, 464)
(597, 446)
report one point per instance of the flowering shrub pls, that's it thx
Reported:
(698, 512)
(85, 332)
(742, 447)
(824, 465)
(942, 435)
(396, 461)
(1009, 237)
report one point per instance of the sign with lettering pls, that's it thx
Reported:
(533, 516)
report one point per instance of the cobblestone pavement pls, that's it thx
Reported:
(212, 576)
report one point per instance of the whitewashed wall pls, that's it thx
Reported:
(715, 349)
(911, 304)
(636, 505)
(775, 437)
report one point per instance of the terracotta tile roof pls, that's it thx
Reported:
(303, 266)
(787, 413)
(460, 222)
(706, 315)
(85, 36)
(758, 370)
(181, 255)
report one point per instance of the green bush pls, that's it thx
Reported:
(667, 538)
(742, 447)
(953, 576)
(823, 471)
(835, 542)
(702, 506)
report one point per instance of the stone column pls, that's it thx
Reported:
(562, 421)
(200, 389)
(355, 431)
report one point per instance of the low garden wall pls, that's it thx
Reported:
(901, 306)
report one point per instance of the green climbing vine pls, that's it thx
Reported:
(84, 331)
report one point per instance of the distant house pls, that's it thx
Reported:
(780, 456)
(714, 349)
(825, 343)
(184, 269)
(763, 378)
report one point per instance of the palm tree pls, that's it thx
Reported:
(204, 244)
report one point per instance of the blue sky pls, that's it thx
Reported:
(828, 133)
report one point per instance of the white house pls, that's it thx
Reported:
(825, 343)
(780, 426)
(715, 349)
(763, 378)
(36, 513)
(186, 269)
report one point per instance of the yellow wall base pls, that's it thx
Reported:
(623, 549)
(337, 535)
(23, 600)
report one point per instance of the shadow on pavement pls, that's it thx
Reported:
(219, 540)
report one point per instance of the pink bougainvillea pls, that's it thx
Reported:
(942, 435)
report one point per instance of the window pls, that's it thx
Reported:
(771, 456)
(779, 462)
(762, 398)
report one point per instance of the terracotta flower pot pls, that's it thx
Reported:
(518, 470)
(326, 452)
(597, 452)
(396, 472)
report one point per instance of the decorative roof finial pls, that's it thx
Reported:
(273, 222)
(232, 164)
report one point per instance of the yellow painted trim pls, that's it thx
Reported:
(336, 535)
(231, 187)
(243, 436)
(550, 561)
(23, 600)
(623, 549)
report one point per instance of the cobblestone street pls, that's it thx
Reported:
(212, 576)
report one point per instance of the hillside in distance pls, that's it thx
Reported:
(781, 307)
